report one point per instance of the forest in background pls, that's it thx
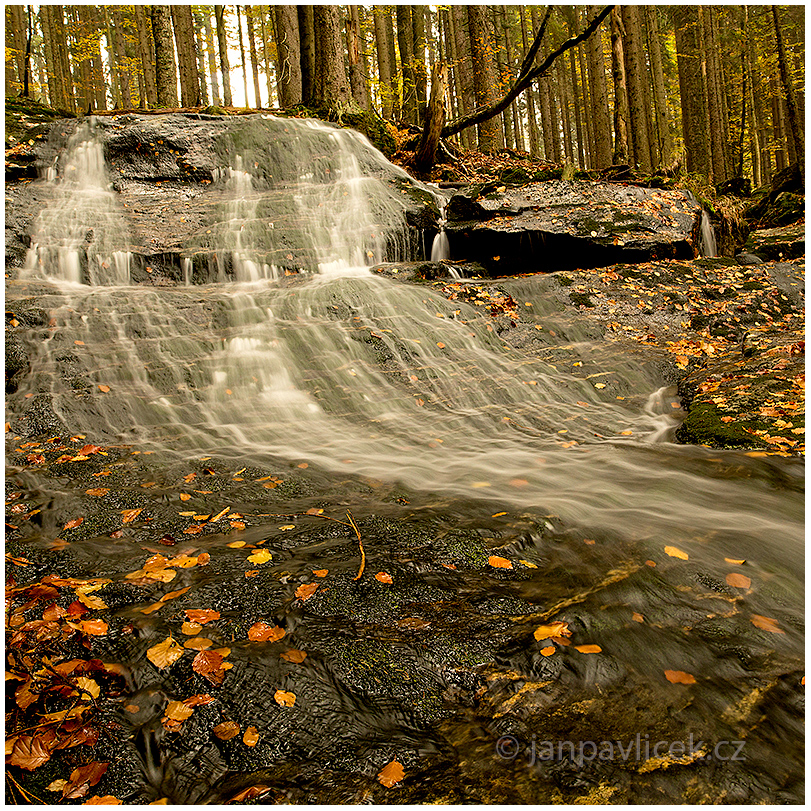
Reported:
(716, 91)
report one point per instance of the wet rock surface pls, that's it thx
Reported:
(560, 225)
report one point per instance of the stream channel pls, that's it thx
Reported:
(492, 492)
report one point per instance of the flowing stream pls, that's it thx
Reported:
(365, 379)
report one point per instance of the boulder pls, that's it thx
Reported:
(560, 225)
(787, 242)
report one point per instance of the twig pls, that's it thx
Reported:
(26, 794)
(360, 543)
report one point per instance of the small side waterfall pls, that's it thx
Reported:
(440, 250)
(81, 236)
(707, 244)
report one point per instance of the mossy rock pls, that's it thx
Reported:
(373, 128)
(27, 119)
(703, 426)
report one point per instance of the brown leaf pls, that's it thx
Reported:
(94, 627)
(203, 559)
(178, 711)
(208, 664)
(499, 563)
(263, 632)
(97, 491)
(226, 730)
(766, 624)
(131, 515)
(284, 699)
(165, 653)
(29, 752)
(738, 581)
(306, 590)
(82, 779)
(294, 656)
(251, 736)
(201, 615)
(391, 774)
(679, 677)
(248, 794)
(383, 577)
(74, 523)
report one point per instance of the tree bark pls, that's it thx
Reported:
(790, 96)
(165, 71)
(200, 47)
(385, 63)
(463, 68)
(622, 152)
(636, 79)
(405, 44)
(716, 125)
(331, 86)
(242, 56)
(288, 45)
(222, 46)
(146, 51)
(664, 139)
(434, 119)
(601, 116)
(357, 79)
(691, 90)
(216, 98)
(484, 78)
(15, 50)
(249, 20)
(307, 52)
(186, 55)
(419, 68)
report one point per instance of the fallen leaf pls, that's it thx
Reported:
(260, 556)
(499, 563)
(637, 617)
(203, 559)
(248, 794)
(738, 581)
(89, 686)
(57, 785)
(28, 752)
(90, 600)
(178, 711)
(766, 624)
(251, 736)
(198, 643)
(107, 799)
(209, 665)
(679, 677)
(262, 632)
(676, 553)
(82, 779)
(553, 629)
(226, 730)
(190, 628)
(74, 523)
(383, 577)
(548, 651)
(131, 515)
(588, 648)
(201, 615)
(93, 627)
(306, 590)
(165, 653)
(320, 572)
(736, 562)
(391, 774)
(294, 656)
(98, 491)
(185, 496)
(284, 699)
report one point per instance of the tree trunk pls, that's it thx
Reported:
(507, 34)
(790, 96)
(216, 98)
(165, 71)
(405, 44)
(288, 45)
(715, 124)
(15, 50)
(146, 50)
(664, 138)
(419, 68)
(242, 56)
(199, 33)
(186, 55)
(434, 119)
(622, 152)
(463, 69)
(601, 116)
(385, 63)
(357, 79)
(222, 46)
(331, 86)
(691, 90)
(485, 80)
(636, 79)
(264, 33)
(307, 52)
(249, 15)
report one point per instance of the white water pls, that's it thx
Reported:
(708, 246)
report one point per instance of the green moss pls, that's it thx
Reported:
(580, 299)
(373, 128)
(703, 426)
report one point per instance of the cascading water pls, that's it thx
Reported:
(708, 245)
(357, 376)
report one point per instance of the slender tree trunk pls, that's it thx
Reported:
(357, 79)
(534, 135)
(716, 128)
(599, 93)
(200, 43)
(242, 57)
(266, 55)
(621, 141)
(502, 72)
(636, 79)
(249, 20)
(405, 44)
(288, 45)
(385, 64)
(212, 60)
(691, 90)
(165, 71)
(484, 79)
(15, 50)
(222, 45)
(507, 34)
(464, 66)
(307, 52)
(187, 55)
(146, 50)
(788, 89)
(419, 68)
(662, 115)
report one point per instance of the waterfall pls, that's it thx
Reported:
(707, 244)
(81, 236)
(440, 250)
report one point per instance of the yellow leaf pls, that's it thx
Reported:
(637, 617)
(185, 496)
(190, 628)
(251, 736)
(131, 515)
(548, 651)
(306, 590)
(735, 561)
(588, 648)
(284, 699)
(178, 711)
(499, 563)
(165, 653)
(528, 564)
(738, 581)
(320, 572)
(198, 643)
(288, 526)
(676, 553)
(90, 600)
(294, 656)
(88, 685)
(391, 774)
(498, 515)
(237, 544)
(260, 556)
(219, 515)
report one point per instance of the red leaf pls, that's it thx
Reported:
(202, 615)
(74, 523)
(29, 752)
(82, 779)
(262, 632)
(208, 664)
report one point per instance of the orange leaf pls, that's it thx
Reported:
(284, 699)
(74, 523)
(391, 774)
(165, 653)
(766, 624)
(107, 799)
(294, 656)
(320, 572)
(251, 736)
(97, 491)
(201, 615)
(94, 627)
(306, 590)
(248, 793)
(676, 553)
(208, 664)
(82, 779)
(499, 563)
(679, 677)
(226, 730)
(28, 752)
(637, 617)
(588, 648)
(198, 643)
(262, 632)
(105, 389)
(738, 581)
(131, 515)
(553, 629)
(185, 496)
(735, 561)
(548, 651)
(383, 577)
